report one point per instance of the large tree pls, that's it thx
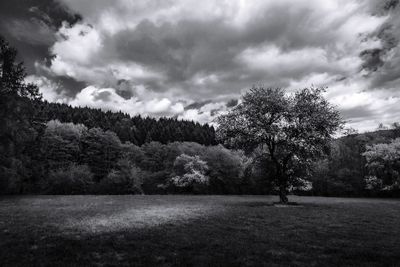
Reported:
(17, 112)
(293, 129)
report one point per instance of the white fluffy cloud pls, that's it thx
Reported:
(108, 99)
(205, 114)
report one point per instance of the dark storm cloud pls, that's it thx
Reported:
(232, 103)
(70, 87)
(372, 59)
(191, 48)
(390, 4)
(32, 31)
(30, 26)
(197, 105)
(180, 50)
(104, 96)
(382, 63)
(32, 22)
(124, 89)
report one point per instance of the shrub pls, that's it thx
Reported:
(10, 180)
(226, 169)
(383, 163)
(189, 173)
(125, 179)
(156, 182)
(74, 179)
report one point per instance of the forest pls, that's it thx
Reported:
(52, 148)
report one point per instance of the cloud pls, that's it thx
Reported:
(206, 113)
(196, 48)
(30, 26)
(188, 59)
(232, 103)
(108, 99)
(77, 44)
(50, 90)
(197, 105)
(382, 62)
(33, 31)
(365, 110)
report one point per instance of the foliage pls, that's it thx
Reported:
(226, 169)
(137, 130)
(126, 178)
(12, 75)
(155, 157)
(122, 168)
(373, 183)
(17, 128)
(61, 144)
(383, 164)
(345, 170)
(189, 172)
(73, 179)
(293, 130)
(100, 151)
(285, 133)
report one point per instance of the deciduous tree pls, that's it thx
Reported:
(16, 118)
(383, 164)
(293, 129)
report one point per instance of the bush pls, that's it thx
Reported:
(10, 177)
(189, 174)
(74, 179)
(226, 169)
(155, 182)
(125, 179)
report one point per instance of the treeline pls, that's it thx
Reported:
(71, 158)
(68, 158)
(348, 170)
(137, 130)
(41, 155)
(57, 149)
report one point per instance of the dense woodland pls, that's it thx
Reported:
(57, 149)
(348, 168)
(137, 130)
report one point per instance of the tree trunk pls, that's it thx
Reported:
(283, 195)
(281, 178)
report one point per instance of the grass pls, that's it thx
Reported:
(198, 231)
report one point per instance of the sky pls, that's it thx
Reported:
(193, 59)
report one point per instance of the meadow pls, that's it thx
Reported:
(176, 230)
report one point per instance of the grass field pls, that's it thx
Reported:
(198, 231)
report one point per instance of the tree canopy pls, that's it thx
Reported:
(383, 164)
(17, 127)
(293, 130)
